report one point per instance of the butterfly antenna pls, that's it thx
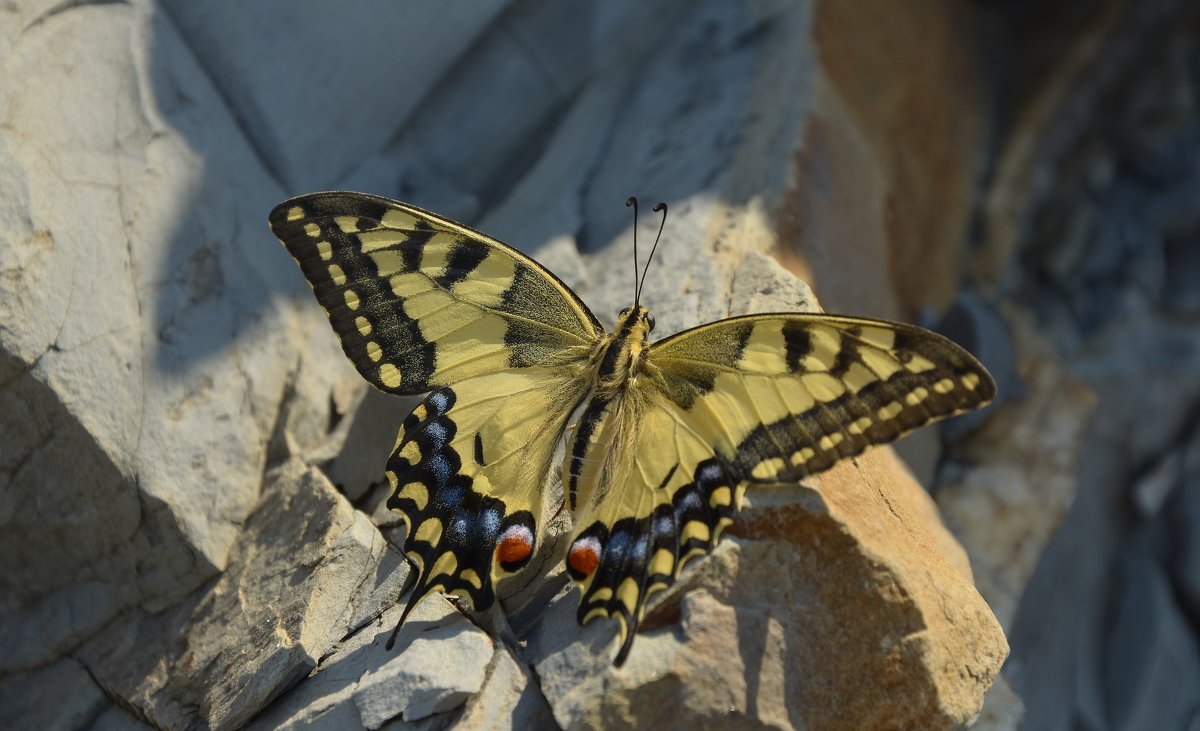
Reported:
(632, 201)
(657, 207)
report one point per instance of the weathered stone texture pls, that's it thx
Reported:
(190, 493)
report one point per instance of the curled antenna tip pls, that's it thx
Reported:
(632, 201)
(658, 207)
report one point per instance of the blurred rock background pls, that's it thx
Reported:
(191, 529)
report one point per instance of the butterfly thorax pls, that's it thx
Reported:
(620, 355)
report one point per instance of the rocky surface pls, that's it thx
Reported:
(1089, 229)
(189, 468)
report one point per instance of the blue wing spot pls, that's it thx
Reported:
(618, 543)
(460, 527)
(664, 526)
(451, 496)
(436, 433)
(688, 500)
(639, 548)
(441, 468)
(709, 475)
(439, 401)
(491, 522)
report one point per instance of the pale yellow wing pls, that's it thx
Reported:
(422, 303)
(783, 396)
(419, 301)
(468, 474)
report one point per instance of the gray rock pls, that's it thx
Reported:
(1152, 665)
(123, 280)
(61, 695)
(443, 670)
(509, 699)
(366, 437)
(436, 670)
(332, 81)
(1184, 521)
(307, 569)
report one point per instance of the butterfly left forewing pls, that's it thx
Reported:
(419, 301)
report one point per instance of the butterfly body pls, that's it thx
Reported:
(660, 439)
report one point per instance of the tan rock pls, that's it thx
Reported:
(888, 159)
(307, 569)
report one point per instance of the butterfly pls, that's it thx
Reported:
(660, 438)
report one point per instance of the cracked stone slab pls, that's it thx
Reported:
(443, 669)
(307, 569)
(436, 670)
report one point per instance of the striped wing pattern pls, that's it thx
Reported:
(468, 476)
(785, 396)
(419, 301)
(666, 436)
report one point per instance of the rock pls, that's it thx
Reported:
(36, 699)
(443, 670)
(137, 348)
(307, 151)
(364, 441)
(1184, 521)
(904, 207)
(1002, 709)
(509, 699)
(1011, 484)
(1152, 665)
(307, 569)
(168, 381)
(436, 670)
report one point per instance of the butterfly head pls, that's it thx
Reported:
(635, 318)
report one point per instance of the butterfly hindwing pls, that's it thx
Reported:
(645, 509)
(468, 475)
(419, 301)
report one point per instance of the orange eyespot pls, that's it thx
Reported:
(584, 557)
(514, 548)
